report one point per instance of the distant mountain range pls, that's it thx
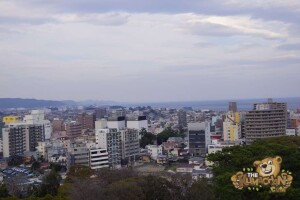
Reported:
(36, 103)
(217, 105)
(31, 103)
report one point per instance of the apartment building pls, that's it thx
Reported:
(266, 120)
(110, 139)
(21, 137)
(130, 144)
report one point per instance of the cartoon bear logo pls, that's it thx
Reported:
(269, 166)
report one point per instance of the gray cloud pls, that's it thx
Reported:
(289, 47)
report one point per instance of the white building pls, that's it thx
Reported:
(231, 127)
(116, 123)
(154, 151)
(291, 132)
(38, 117)
(110, 139)
(138, 123)
(100, 124)
(98, 158)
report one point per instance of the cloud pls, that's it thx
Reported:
(290, 47)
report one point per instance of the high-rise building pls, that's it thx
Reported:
(137, 122)
(87, 120)
(182, 118)
(37, 117)
(231, 127)
(130, 144)
(73, 129)
(110, 139)
(198, 138)
(21, 137)
(57, 125)
(232, 107)
(116, 123)
(101, 113)
(266, 120)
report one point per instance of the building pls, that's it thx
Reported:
(182, 118)
(87, 120)
(37, 117)
(20, 138)
(98, 158)
(231, 127)
(130, 144)
(57, 125)
(116, 123)
(232, 107)
(198, 138)
(73, 129)
(101, 124)
(110, 139)
(266, 120)
(101, 113)
(138, 122)
(10, 119)
(87, 155)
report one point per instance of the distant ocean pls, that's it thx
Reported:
(220, 105)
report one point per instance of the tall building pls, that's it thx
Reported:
(130, 144)
(73, 129)
(57, 125)
(19, 138)
(101, 113)
(232, 107)
(266, 120)
(116, 123)
(37, 117)
(198, 138)
(232, 127)
(110, 139)
(138, 122)
(87, 120)
(182, 118)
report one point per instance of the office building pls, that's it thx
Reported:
(198, 138)
(266, 120)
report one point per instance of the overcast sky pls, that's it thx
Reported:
(149, 50)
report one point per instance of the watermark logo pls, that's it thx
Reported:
(266, 172)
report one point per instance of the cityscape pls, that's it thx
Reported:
(149, 140)
(149, 100)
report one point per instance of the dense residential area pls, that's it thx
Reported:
(92, 152)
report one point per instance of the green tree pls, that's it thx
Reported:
(233, 159)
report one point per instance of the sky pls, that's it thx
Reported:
(150, 50)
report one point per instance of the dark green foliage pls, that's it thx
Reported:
(3, 190)
(168, 132)
(234, 159)
(147, 138)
